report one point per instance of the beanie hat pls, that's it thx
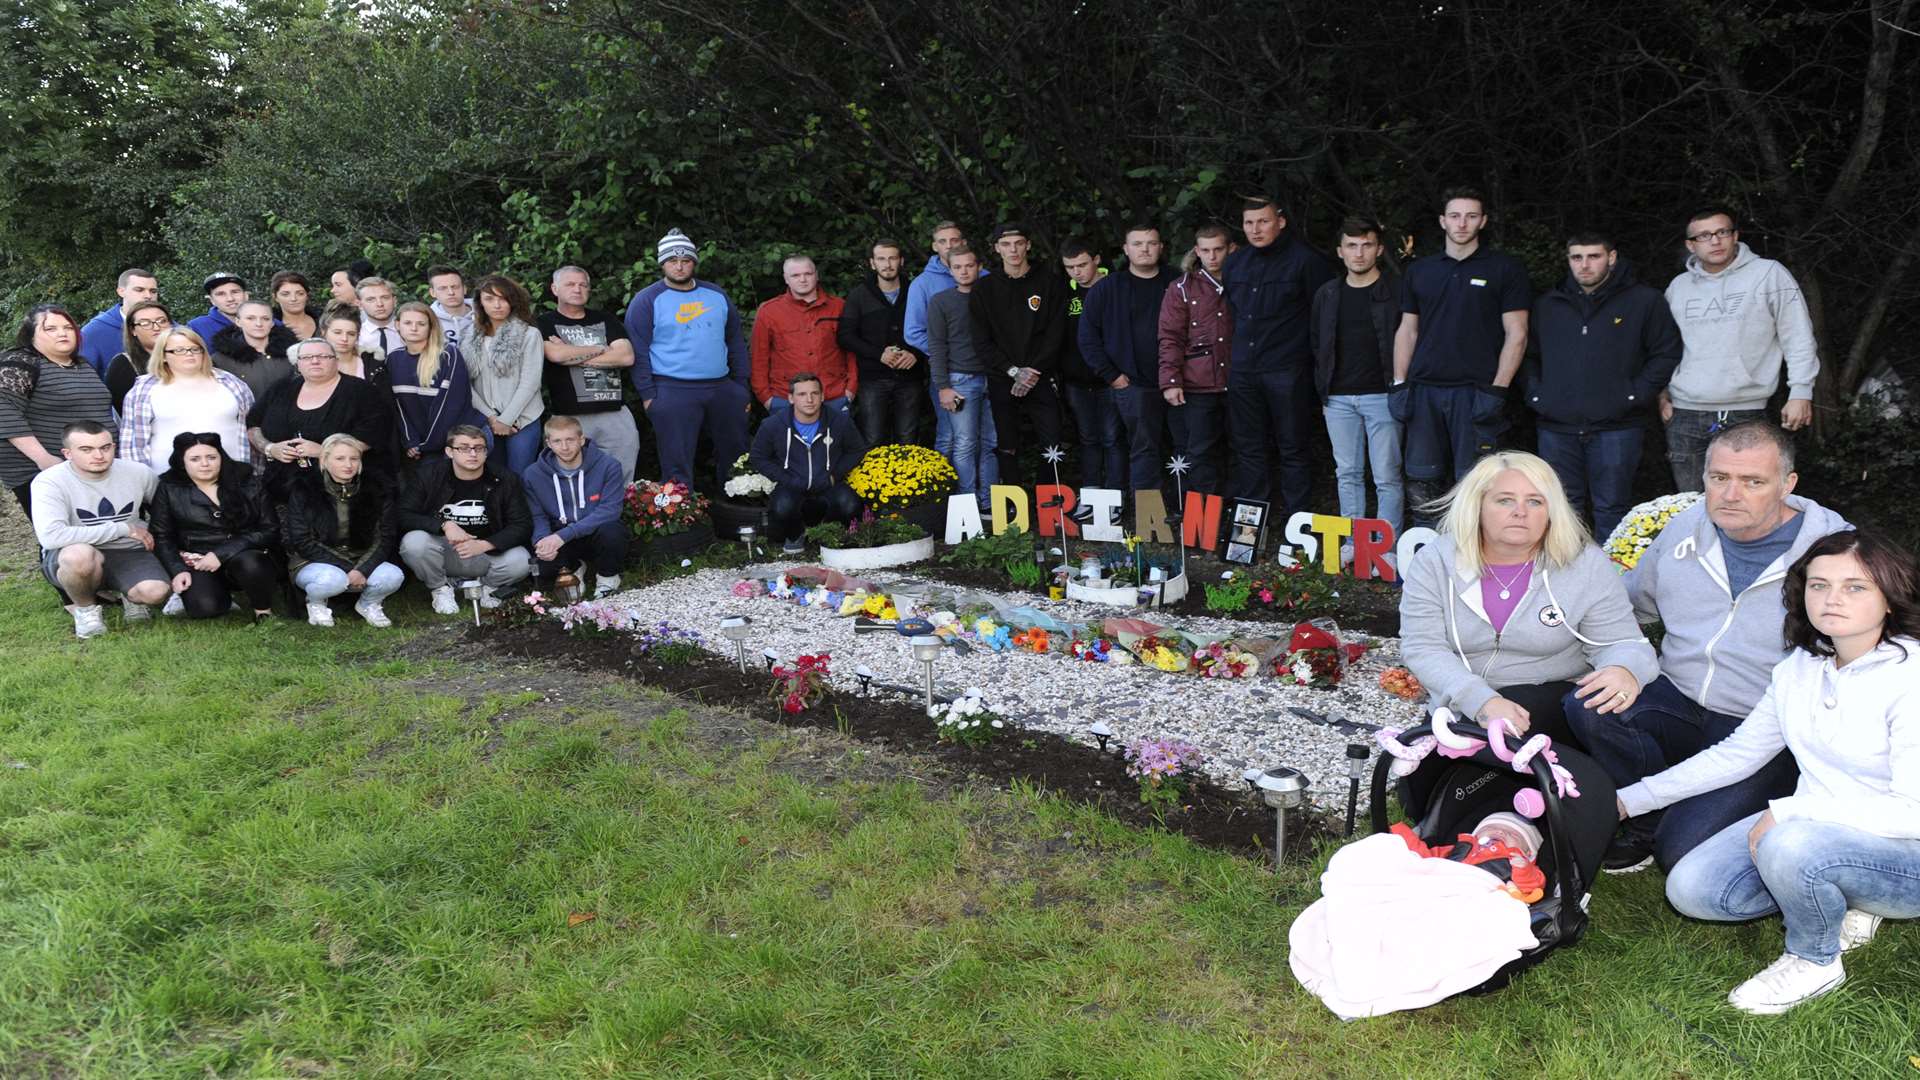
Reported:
(675, 245)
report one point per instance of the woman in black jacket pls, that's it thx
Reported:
(288, 426)
(328, 558)
(212, 529)
(254, 348)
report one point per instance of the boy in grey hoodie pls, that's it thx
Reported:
(1713, 579)
(1741, 317)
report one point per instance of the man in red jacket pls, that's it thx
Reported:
(1196, 343)
(798, 331)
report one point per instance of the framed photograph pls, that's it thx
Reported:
(1247, 530)
(1248, 512)
(1240, 553)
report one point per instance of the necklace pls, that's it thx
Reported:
(1506, 587)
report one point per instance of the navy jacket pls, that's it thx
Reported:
(780, 455)
(1270, 290)
(1108, 342)
(574, 506)
(1599, 361)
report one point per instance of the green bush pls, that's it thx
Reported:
(986, 552)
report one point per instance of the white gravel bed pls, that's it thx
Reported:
(1236, 723)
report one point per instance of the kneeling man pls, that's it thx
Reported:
(807, 452)
(87, 513)
(465, 517)
(576, 492)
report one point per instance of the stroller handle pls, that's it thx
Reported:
(1574, 885)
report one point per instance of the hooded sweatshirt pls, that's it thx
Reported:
(782, 456)
(1720, 649)
(1599, 360)
(578, 504)
(933, 281)
(458, 328)
(103, 338)
(1740, 325)
(1450, 645)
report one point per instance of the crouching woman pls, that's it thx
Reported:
(1843, 850)
(341, 530)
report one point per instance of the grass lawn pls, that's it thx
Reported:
(304, 853)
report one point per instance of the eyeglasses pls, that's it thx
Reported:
(189, 350)
(152, 324)
(481, 449)
(1710, 234)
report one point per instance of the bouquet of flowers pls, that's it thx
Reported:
(1159, 652)
(1164, 769)
(595, 617)
(1097, 650)
(801, 685)
(662, 508)
(1636, 532)
(1032, 640)
(897, 476)
(531, 608)
(746, 485)
(1313, 658)
(967, 720)
(1400, 682)
(1221, 660)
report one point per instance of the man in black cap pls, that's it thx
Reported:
(225, 293)
(1020, 324)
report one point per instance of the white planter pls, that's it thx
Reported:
(1171, 591)
(873, 558)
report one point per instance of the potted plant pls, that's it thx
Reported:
(907, 482)
(667, 519)
(743, 501)
(870, 542)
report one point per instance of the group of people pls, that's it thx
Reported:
(1767, 756)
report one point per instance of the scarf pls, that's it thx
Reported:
(506, 346)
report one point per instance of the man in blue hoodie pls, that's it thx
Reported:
(933, 280)
(690, 360)
(225, 293)
(576, 492)
(807, 451)
(1713, 579)
(104, 336)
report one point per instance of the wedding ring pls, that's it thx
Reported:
(1621, 696)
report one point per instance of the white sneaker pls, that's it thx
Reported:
(133, 612)
(175, 606)
(488, 601)
(1785, 983)
(1857, 928)
(605, 586)
(88, 622)
(1346, 554)
(444, 602)
(319, 614)
(372, 613)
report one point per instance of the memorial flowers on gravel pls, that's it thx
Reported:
(1221, 660)
(1164, 769)
(1636, 532)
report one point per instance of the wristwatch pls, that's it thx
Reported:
(1013, 372)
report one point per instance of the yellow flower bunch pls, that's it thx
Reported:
(896, 476)
(1630, 539)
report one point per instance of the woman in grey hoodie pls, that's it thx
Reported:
(1514, 606)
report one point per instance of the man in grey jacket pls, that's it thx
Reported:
(1741, 317)
(1713, 579)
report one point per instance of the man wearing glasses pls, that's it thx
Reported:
(465, 518)
(101, 339)
(1741, 317)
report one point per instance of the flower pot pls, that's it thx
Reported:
(873, 558)
(677, 546)
(1174, 591)
(929, 516)
(729, 515)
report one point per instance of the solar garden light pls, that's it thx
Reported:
(926, 648)
(1283, 789)
(735, 628)
(865, 675)
(567, 584)
(746, 537)
(470, 592)
(771, 657)
(1101, 731)
(1357, 755)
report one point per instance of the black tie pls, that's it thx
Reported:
(383, 341)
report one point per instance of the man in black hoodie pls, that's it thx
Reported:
(807, 452)
(465, 517)
(893, 374)
(1603, 347)
(1020, 320)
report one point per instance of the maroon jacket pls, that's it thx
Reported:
(1196, 335)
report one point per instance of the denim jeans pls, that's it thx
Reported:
(1596, 468)
(1039, 407)
(1809, 871)
(790, 510)
(974, 437)
(522, 447)
(1102, 463)
(1688, 434)
(1273, 408)
(1143, 418)
(1662, 728)
(888, 411)
(324, 581)
(1364, 434)
(943, 420)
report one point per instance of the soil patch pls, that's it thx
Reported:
(1214, 816)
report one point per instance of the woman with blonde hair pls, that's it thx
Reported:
(341, 530)
(430, 382)
(183, 392)
(1514, 606)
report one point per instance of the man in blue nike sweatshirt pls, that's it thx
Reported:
(690, 364)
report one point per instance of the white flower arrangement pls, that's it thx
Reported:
(744, 483)
(1637, 530)
(966, 719)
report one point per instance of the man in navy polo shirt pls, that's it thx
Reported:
(1270, 397)
(1462, 337)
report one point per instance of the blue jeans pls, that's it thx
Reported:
(943, 422)
(1143, 416)
(522, 447)
(1662, 728)
(974, 437)
(1809, 871)
(1688, 434)
(1363, 433)
(1102, 462)
(324, 581)
(1273, 408)
(1596, 468)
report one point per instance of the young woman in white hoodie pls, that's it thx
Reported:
(1843, 850)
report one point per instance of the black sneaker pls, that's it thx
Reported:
(1082, 513)
(1632, 848)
